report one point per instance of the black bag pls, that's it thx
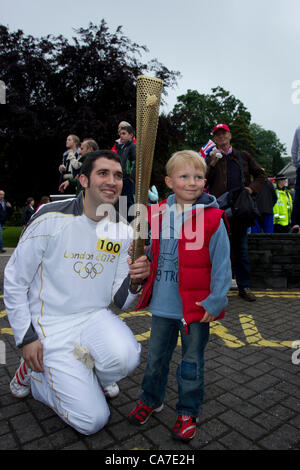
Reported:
(239, 206)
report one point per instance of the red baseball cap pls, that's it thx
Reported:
(221, 126)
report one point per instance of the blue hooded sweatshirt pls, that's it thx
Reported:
(166, 300)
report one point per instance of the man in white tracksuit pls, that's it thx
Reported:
(70, 264)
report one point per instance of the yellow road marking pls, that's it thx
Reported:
(252, 335)
(254, 338)
(216, 328)
(250, 330)
(6, 331)
(141, 313)
(271, 294)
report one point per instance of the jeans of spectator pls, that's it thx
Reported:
(239, 257)
(1, 242)
(296, 201)
(190, 371)
(268, 224)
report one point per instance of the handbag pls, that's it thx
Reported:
(239, 206)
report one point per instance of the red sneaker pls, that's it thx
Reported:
(142, 413)
(184, 428)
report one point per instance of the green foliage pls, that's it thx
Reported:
(86, 86)
(241, 136)
(11, 236)
(269, 149)
(56, 87)
(196, 114)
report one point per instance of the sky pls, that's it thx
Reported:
(250, 48)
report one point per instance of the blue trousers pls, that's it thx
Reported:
(190, 371)
(268, 224)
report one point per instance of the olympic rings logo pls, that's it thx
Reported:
(88, 270)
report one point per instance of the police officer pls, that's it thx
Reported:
(283, 207)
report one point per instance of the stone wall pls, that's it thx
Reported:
(275, 260)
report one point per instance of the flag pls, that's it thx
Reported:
(207, 148)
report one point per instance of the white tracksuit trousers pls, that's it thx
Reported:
(69, 387)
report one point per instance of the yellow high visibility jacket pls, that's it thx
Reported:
(283, 208)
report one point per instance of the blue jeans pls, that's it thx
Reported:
(190, 371)
(268, 224)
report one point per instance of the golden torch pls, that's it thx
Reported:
(149, 91)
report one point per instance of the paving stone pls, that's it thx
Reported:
(236, 403)
(39, 444)
(101, 440)
(281, 439)
(77, 446)
(17, 408)
(267, 421)
(4, 427)
(235, 441)
(242, 424)
(8, 442)
(26, 427)
(64, 438)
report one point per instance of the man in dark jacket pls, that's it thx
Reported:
(5, 208)
(126, 149)
(224, 174)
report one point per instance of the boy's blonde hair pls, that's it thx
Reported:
(187, 157)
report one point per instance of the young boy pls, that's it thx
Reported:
(189, 279)
(126, 149)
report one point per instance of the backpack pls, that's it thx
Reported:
(238, 204)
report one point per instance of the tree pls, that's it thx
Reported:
(241, 135)
(196, 114)
(55, 87)
(168, 141)
(270, 150)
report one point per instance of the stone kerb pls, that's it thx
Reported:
(275, 260)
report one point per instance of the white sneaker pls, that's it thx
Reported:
(20, 384)
(111, 391)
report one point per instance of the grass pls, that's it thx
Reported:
(11, 236)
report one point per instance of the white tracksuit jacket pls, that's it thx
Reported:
(65, 267)
(58, 284)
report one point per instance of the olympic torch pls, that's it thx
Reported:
(149, 92)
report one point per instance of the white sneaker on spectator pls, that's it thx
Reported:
(20, 384)
(111, 391)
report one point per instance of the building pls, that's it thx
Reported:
(290, 171)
